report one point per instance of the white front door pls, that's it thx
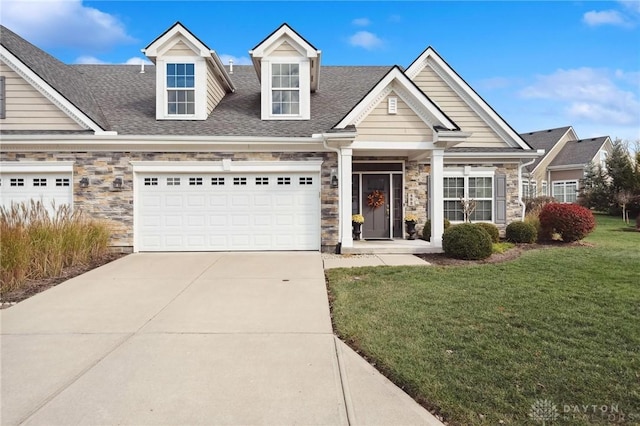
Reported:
(228, 211)
(52, 189)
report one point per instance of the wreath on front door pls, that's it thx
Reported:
(375, 199)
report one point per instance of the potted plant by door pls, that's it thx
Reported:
(410, 221)
(356, 221)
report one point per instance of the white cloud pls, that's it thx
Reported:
(589, 94)
(633, 5)
(366, 40)
(237, 60)
(89, 60)
(92, 60)
(137, 60)
(606, 17)
(66, 23)
(361, 22)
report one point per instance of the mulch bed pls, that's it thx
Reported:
(511, 254)
(32, 287)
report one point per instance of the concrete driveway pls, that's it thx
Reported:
(190, 338)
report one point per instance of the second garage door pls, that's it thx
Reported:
(228, 212)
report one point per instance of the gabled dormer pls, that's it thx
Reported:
(288, 67)
(190, 78)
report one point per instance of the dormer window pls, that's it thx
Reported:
(288, 68)
(181, 89)
(285, 89)
(190, 79)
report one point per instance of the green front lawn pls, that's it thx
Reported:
(480, 344)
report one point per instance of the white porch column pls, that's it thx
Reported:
(345, 168)
(436, 191)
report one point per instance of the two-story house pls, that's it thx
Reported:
(191, 154)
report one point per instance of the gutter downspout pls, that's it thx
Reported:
(340, 201)
(522, 166)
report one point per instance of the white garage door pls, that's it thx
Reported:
(228, 212)
(49, 188)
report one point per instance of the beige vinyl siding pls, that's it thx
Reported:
(458, 110)
(560, 175)
(285, 49)
(215, 91)
(28, 109)
(180, 49)
(405, 126)
(540, 173)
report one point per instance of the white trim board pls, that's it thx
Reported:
(36, 166)
(226, 166)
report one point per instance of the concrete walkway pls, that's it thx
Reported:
(359, 260)
(190, 338)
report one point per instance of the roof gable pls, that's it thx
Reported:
(178, 38)
(430, 58)
(286, 34)
(60, 83)
(395, 80)
(549, 141)
(175, 34)
(580, 152)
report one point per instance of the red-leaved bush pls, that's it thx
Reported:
(571, 221)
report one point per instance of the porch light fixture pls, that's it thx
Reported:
(334, 178)
(84, 182)
(117, 183)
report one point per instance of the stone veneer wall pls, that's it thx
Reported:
(102, 202)
(510, 170)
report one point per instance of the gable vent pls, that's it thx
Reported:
(392, 105)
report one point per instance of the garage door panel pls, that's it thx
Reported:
(51, 189)
(230, 212)
(217, 220)
(261, 220)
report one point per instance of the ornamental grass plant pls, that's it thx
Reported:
(36, 244)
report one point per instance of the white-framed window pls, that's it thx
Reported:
(285, 89)
(181, 98)
(529, 189)
(565, 191)
(603, 159)
(466, 185)
(545, 189)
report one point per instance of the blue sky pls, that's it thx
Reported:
(538, 64)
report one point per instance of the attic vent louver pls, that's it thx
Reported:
(392, 105)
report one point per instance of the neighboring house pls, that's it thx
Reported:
(192, 155)
(558, 173)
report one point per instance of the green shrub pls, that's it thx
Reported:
(426, 231)
(522, 232)
(491, 229)
(571, 221)
(467, 241)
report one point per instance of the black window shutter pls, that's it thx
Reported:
(501, 199)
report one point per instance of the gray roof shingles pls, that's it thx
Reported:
(578, 152)
(63, 78)
(543, 139)
(120, 98)
(127, 98)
